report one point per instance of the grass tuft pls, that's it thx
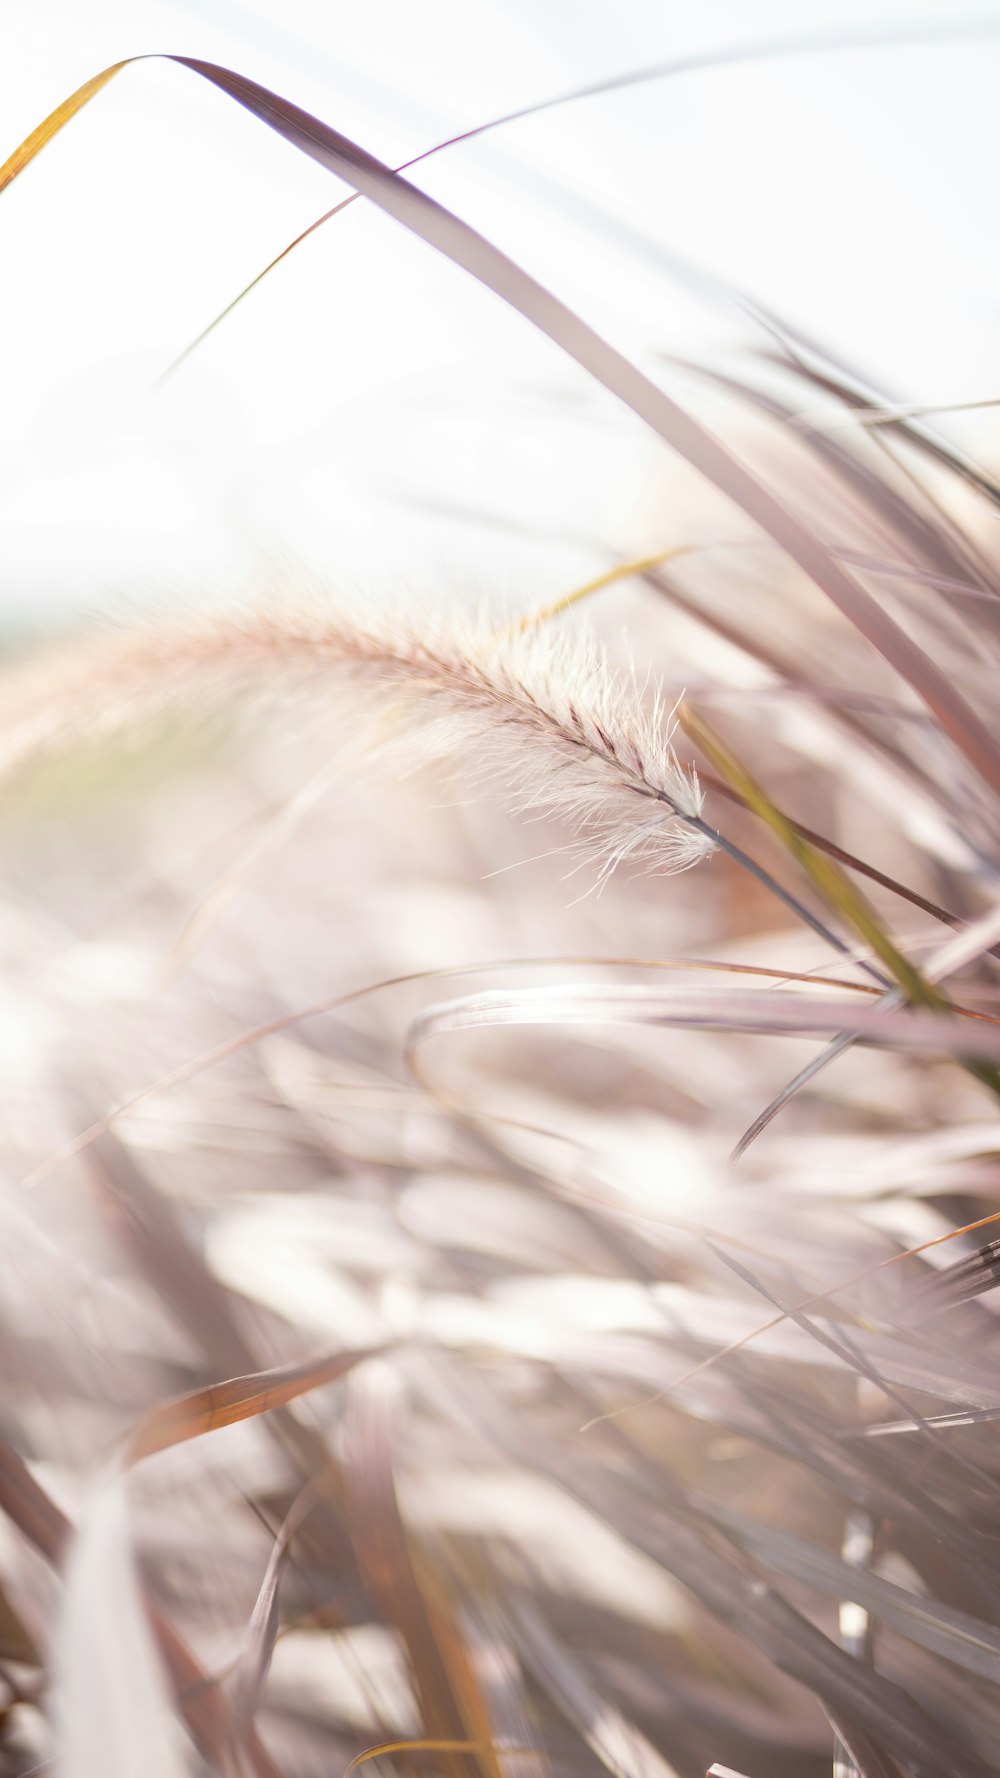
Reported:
(398, 1366)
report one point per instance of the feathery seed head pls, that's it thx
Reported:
(542, 718)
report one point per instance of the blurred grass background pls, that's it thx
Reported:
(568, 1444)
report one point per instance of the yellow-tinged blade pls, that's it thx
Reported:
(51, 126)
(425, 1744)
(624, 571)
(833, 883)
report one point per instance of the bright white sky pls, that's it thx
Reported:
(366, 405)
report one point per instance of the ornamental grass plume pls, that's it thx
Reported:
(542, 717)
(396, 1364)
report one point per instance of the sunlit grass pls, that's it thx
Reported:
(400, 1366)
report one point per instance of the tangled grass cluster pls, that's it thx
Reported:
(453, 1319)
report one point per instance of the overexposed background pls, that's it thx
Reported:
(370, 414)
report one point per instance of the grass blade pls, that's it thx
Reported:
(239, 1398)
(200, 1700)
(451, 1706)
